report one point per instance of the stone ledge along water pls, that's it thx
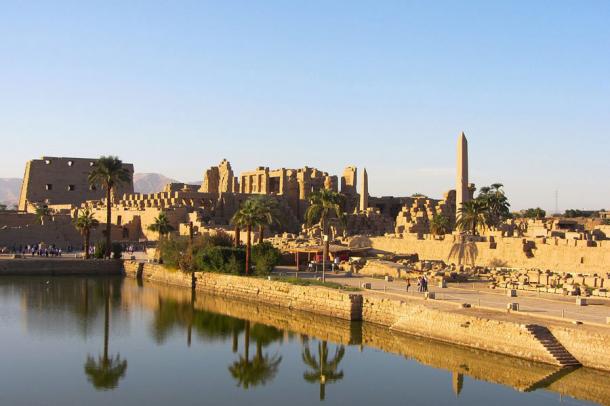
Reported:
(489, 331)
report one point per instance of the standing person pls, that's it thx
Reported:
(408, 284)
(336, 263)
(425, 283)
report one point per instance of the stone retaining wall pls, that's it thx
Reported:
(455, 326)
(59, 266)
(589, 347)
(329, 302)
(465, 327)
(320, 300)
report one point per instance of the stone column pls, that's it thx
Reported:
(462, 193)
(364, 192)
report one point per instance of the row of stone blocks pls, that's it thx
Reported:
(330, 302)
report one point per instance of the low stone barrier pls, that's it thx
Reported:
(59, 267)
(329, 302)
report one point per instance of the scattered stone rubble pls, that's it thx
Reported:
(551, 282)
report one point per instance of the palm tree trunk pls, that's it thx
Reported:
(106, 322)
(108, 219)
(87, 239)
(237, 236)
(247, 341)
(261, 232)
(248, 247)
(235, 342)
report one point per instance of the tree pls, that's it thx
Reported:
(472, 216)
(84, 223)
(161, 225)
(323, 370)
(268, 213)
(262, 368)
(536, 213)
(106, 372)
(109, 173)
(248, 216)
(42, 212)
(439, 225)
(322, 205)
(497, 207)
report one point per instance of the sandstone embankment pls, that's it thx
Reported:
(483, 330)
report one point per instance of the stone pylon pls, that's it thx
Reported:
(462, 194)
(364, 191)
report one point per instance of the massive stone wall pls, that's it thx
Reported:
(53, 180)
(574, 256)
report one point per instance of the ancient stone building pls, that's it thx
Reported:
(417, 212)
(61, 181)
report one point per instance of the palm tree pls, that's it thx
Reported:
(248, 216)
(268, 211)
(323, 370)
(323, 204)
(161, 225)
(109, 172)
(84, 223)
(106, 372)
(439, 225)
(262, 368)
(472, 216)
(42, 212)
(496, 202)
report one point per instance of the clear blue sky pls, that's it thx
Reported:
(175, 86)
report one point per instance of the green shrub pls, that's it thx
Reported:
(264, 258)
(221, 260)
(99, 249)
(171, 250)
(117, 250)
(220, 239)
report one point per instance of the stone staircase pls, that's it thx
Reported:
(553, 347)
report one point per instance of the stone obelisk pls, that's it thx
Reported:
(462, 194)
(364, 192)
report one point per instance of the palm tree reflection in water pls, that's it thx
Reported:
(105, 372)
(322, 370)
(262, 368)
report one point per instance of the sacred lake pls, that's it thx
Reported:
(115, 340)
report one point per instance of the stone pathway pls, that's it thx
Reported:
(478, 295)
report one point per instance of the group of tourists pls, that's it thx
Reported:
(422, 284)
(42, 250)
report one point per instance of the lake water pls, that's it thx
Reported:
(100, 341)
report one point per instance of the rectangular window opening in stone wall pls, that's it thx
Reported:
(48, 186)
(92, 187)
(71, 188)
(70, 163)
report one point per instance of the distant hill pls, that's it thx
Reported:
(150, 182)
(9, 191)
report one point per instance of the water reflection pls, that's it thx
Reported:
(250, 346)
(263, 367)
(104, 372)
(323, 370)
